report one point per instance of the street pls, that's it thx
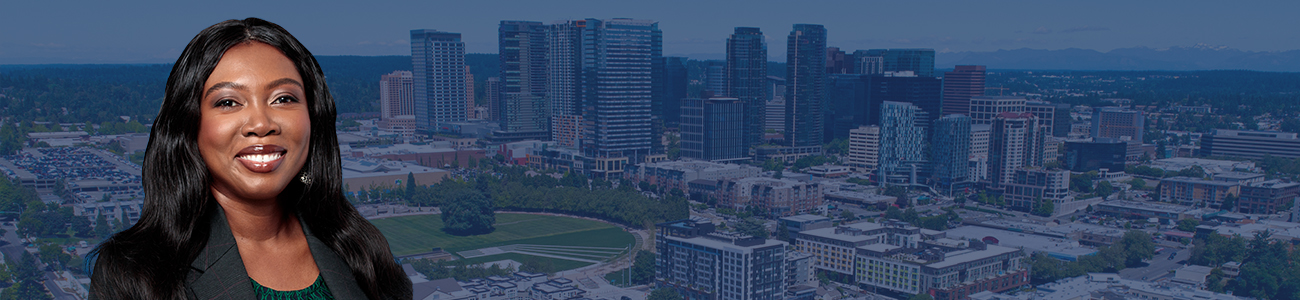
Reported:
(1159, 266)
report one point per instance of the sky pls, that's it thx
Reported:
(57, 31)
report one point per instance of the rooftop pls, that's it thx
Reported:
(1056, 247)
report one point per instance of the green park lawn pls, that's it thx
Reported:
(418, 234)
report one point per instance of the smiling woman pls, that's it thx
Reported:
(243, 157)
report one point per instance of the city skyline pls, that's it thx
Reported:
(84, 34)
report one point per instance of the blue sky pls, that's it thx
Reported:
(155, 31)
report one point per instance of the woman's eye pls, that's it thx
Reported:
(285, 99)
(225, 102)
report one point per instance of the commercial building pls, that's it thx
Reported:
(434, 155)
(1057, 247)
(1250, 144)
(617, 60)
(1054, 118)
(1108, 286)
(950, 152)
(834, 249)
(703, 264)
(671, 90)
(747, 80)
(959, 86)
(524, 74)
(1135, 209)
(438, 61)
(778, 197)
(798, 223)
(945, 274)
(713, 129)
(1267, 197)
(1122, 124)
(1210, 166)
(806, 75)
(492, 99)
(361, 173)
(983, 109)
(786, 154)
(855, 100)
(676, 174)
(1095, 155)
(1196, 192)
(517, 152)
(864, 149)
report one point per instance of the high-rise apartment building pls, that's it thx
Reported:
(1015, 142)
(979, 151)
(522, 52)
(712, 129)
(950, 152)
(438, 63)
(715, 78)
(564, 68)
(397, 103)
(902, 142)
(396, 97)
(703, 264)
(747, 80)
(469, 94)
(864, 149)
(983, 109)
(920, 61)
(959, 86)
(804, 92)
(617, 59)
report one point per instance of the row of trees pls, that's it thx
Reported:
(1129, 251)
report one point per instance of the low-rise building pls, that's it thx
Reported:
(1267, 197)
(677, 174)
(1164, 211)
(359, 173)
(779, 197)
(1057, 247)
(1196, 192)
(947, 275)
(805, 222)
(834, 248)
(1030, 185)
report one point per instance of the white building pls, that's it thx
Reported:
(702, 264)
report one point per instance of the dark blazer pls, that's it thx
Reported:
(218, 272)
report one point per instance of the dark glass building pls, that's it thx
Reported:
(616, 85)
(1101, 153)
(712, 129)
(672, 90)
(747, 80)
(804, 89)
(853, 100)
(920, 61)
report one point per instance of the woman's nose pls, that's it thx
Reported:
(260, 122)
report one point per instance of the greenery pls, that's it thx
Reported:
(1129, 251)
(641, 272)
(25, 277)
(1043, 208)
(752, 226)
(810, 161)
(418, 234)
(470, 214)
(921, 296)
(1188, 225)
(664, 293)
(1270, 269)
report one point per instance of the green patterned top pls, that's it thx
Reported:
(317, 291)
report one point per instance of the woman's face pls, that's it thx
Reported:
(254, 129)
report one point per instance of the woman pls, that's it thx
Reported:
(243, 185)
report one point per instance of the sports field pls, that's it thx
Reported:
(418, 234)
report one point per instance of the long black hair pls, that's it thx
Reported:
(151, 259)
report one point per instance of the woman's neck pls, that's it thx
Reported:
(258, 221)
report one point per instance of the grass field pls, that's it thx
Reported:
(418, 234)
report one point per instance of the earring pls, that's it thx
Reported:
(304, 178)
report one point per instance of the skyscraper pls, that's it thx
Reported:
(983, 109)
(438, 61)
(673, 90)
(617, 59)
(469, 93)
(837, 62)
(747, 80)
(805, 75)
(902, 142)
(1117, 123)
(564, 66)
(920, 61)
(950, 152)
(1015, 142)
(712, 129)
(715, 78)
(522, 106)
(959, 86)
(853, 100)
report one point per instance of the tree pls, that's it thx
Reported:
(921, 296)
(778, 174)
(753, 227)
(898, 192)
(1044, 208)
(643, 267)
(783, 233)
(1188, 225)
(1138, 183)
(1230, 203)
(102, 229)
(1105, 189)
(664, 294)
(410, 186)
(1137, 246)
(81, 226)
(847, 215)
(468, 213)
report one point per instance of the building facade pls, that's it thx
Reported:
(747, 80)
(959, 86)
(1029, 186)
(703, 264)
(438, 61)
(522, 108)
(1197, 192)
(1084, 156)
(1250, 144)
(950, 152)
(902, 142)
(804, 92)
(1267, 197)
(713, 129)
(1015, 142)
(618, 55)
(983, 109)
(778, 197)
(864, 149)
(920, 61)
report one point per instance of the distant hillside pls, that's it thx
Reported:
(1198, 57)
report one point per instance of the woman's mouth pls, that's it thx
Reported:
(261, 158)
